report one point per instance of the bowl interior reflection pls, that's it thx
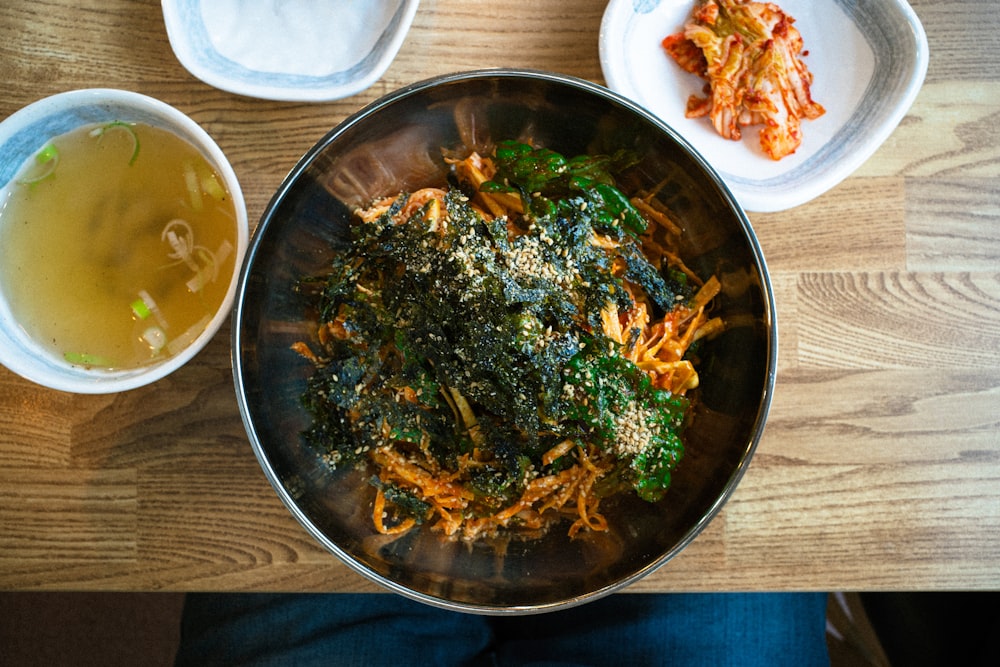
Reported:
(396, 144)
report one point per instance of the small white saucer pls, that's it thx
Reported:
(289, 50)
(868, 59)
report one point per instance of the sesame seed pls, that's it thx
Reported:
(632, 428)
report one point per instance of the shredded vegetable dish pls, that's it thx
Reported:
(510, 350)
(748, 54)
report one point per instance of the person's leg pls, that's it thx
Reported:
(330, 629)
(679, 629)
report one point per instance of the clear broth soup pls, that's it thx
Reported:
(117, 245)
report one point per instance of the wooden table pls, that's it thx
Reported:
(880, 464)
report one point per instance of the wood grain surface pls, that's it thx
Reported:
(880, 465)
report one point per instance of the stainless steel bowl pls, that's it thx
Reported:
(395, 144)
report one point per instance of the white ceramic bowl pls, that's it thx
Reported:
(868, 58)
(296, 50)
(22, 135)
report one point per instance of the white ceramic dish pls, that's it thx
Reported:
(868, 58)
(26, 131)
(294, 50)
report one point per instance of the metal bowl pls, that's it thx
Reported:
(395, 144)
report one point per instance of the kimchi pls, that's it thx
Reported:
(748, 53)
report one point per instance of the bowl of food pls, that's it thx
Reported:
(503, 342)
(122, 230)
(284, 51)
(824, 120)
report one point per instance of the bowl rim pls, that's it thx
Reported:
(74, 379)
(755, 433)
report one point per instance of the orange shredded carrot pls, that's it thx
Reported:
(378, 517)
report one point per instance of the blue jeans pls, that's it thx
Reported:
(685, 629)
